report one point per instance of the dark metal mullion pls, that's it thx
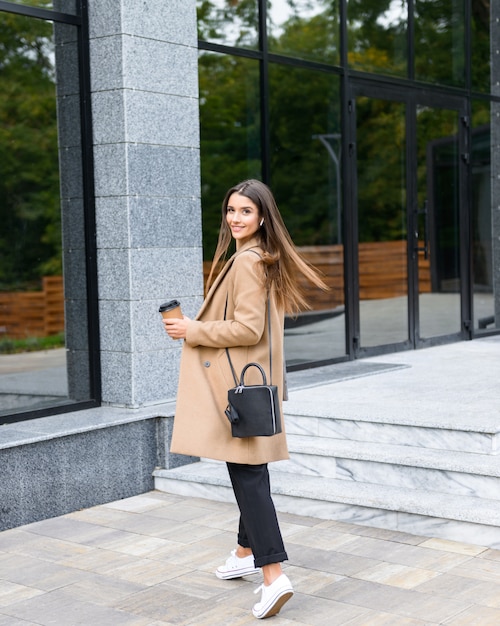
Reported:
(264, 95)
(411, 40)
(465, 199)
(412, 221)
(89, 204)
(223, 49)
(24, 416)
(349, 194)
(465, 221)
(43, 14)
(468, 46)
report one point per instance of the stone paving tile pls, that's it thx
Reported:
(453, 546)
(147, 572)
(188, 533)
(317, 611)
(135, 544)
(492, 555)
(12, 540)
(137, 504)
(103, 590)
(195, 554)
(102, 516)
(150, 561)
(483, 594)
(161, 603)
(327, 561)
(59, 608)
(451, 586)
(226, 521)
(327, 539)
(7, 620)
(38, 574)
(48, 548)
(376, 533)
(402, 602)
(11, 593)
(185, 513)
(99, 561)
(68, 529)
(404, 554)
(480, 569)
(476, 616)
(310, 581)
(373, 618)
(141, 524)
(396, 575)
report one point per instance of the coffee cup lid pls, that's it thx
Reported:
(167, 306)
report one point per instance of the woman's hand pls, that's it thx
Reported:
(176, 327)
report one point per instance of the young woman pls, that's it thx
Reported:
(259, 280)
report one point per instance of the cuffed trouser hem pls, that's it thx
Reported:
(272, 558)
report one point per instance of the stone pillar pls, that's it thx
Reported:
(495, 156)
(144, 81)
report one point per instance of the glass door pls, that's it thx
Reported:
(380, 224)
(407, 155)
(437, 218)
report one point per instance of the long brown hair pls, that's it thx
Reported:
(281, 259)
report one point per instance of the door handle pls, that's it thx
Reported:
(425, 212)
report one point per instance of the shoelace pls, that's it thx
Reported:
(259, 588)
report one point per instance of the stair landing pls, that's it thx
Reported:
(408, 441)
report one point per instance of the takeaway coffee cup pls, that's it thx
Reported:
(171, 309)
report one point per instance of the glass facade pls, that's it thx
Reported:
(305, 30)
(439, 31)
(377, 36)
(376, 124)
(378, 153)
(44, 363)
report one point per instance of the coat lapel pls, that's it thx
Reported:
(220, 277)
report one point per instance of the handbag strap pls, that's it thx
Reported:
(268, 312)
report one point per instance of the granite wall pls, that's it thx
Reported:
(61, 463)
(144, 82)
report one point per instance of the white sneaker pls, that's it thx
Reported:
(236, 567)
(273, 597)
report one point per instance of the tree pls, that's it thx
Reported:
(30, 240)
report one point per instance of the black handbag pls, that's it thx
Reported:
(253, 410)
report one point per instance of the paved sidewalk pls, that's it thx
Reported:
(150, 560)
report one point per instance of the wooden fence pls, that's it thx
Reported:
(382, 272)
(33, 313)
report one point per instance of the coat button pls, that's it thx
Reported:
(207, 364)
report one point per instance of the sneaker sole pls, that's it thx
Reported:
(239, 573)
(276, 607)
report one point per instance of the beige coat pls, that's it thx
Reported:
(201, 427)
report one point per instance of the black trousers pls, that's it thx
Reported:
(259, 528)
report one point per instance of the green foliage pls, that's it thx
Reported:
(381, 157)
(304, 104)
(30, 239)
(237, 16)
(230, 127)
(31, 344)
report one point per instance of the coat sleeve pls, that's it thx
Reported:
(245, 320)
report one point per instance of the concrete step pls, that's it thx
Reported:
(455, 517)
(443, 471)
(479, 434)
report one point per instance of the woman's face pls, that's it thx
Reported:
(242, 217)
